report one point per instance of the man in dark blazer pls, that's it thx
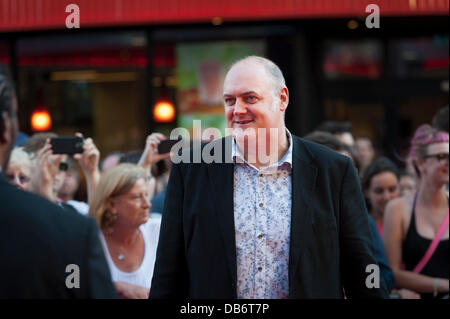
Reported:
(314, 241)
(45, 252)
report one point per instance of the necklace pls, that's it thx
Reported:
(121, 248)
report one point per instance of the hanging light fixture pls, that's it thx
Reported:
(164, 110)
(40, 118)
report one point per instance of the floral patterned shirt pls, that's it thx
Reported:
(262, 218)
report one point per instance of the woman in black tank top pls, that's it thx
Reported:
(414, 248)
(429, 153)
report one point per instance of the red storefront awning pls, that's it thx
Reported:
(22, 15)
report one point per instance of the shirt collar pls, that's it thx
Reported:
(285, 161)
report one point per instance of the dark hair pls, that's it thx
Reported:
(404, 172)
(7, 95)
(380, 165)
(130, 157)
(334, 127)
(440, 119)
(331, 141)
(326, 139)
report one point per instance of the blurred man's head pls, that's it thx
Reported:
(408, 184)
(9, 126)
(342, 130)
(364, 151)
(331, 141)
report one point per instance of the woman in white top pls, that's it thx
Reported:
(121, 206)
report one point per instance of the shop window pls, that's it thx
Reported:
(425, 57)
(4, 52)
(93, 83)
(367, 118)
(352, 60)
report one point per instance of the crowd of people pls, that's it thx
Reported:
(406, 209)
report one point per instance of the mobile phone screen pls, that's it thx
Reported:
(67, 145)
(165, 146)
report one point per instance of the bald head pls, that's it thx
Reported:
(270, 68)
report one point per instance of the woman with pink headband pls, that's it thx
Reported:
(416, 231)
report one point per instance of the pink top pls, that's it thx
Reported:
(380, 228)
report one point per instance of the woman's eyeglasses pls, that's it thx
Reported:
(22, 178)
(441, 157)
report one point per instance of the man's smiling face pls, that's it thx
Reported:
(250, 99)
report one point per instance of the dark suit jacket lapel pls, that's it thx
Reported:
(2, 177)
(221, 179)
(304, 174)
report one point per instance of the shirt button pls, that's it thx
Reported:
(260, 236)
(261, 204)
(259, 268)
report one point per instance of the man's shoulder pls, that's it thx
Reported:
(25, 207)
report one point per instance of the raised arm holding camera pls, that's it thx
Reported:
(88, 161)
(47, 172)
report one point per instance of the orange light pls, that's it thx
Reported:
(41, 121)
(164, 112)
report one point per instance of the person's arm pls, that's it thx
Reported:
(130, 291)
(98, 274)
(170, 276)
(393, 241)
(150, 155)
(88, 161)
(45, 167)
(355, 240)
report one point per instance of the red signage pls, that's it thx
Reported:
(21, 15)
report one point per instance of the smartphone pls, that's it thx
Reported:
(166, 145)
(67, 145)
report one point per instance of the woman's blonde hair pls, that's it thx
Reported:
(114, 182)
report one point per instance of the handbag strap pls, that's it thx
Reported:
(431, 249)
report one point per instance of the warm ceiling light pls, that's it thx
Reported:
(41, 121)
(164, 112)
(352, 24)
(217, 21)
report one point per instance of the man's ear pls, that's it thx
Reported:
(284, 99)
(5, 129)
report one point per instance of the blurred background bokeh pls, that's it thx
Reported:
(108, 78)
